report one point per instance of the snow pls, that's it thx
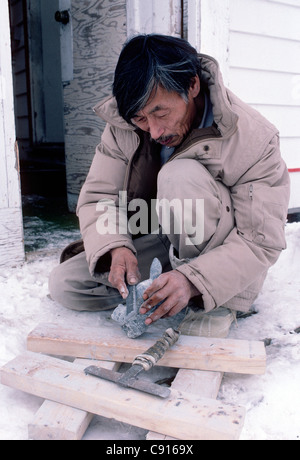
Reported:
(271, 400)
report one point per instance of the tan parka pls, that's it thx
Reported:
(241, 150)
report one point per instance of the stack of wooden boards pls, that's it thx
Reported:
(191, 412)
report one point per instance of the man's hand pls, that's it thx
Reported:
(123, 269)
(174, 289)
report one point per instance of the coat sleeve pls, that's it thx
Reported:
(102, 216)
(260, 199)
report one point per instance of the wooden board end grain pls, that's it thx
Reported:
(57, 422)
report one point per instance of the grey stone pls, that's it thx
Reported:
(133, 323)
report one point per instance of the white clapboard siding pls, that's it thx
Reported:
(260, 52)
(264, 69)
(286, 2)
(266, 87)
(267, 18)
(11, 229)
(290, 145)
(286, 118)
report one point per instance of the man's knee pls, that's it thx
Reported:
(69, 283)
(62, 291)
(57, 286)
(189, 201)
(186, 178)
(72, 286)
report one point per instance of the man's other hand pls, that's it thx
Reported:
(173, 289)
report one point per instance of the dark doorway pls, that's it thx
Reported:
(38, 96)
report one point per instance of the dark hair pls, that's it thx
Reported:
(147, 61)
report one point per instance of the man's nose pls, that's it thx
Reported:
(155, 129)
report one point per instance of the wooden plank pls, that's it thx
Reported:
(55, 421)
(224, 355)
(201, 383)
(181, 415)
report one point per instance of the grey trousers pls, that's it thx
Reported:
(71, 283)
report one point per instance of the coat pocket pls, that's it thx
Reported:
(270, 233)
(260, 214)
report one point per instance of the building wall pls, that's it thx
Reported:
(11, 229)
(257, 44)
(264, 69)
(154, 16)
(99, 30)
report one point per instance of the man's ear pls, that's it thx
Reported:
(195, 86)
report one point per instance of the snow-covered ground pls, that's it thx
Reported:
(272, 400)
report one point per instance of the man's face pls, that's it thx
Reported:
(167, 116)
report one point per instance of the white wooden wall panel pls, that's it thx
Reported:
(208, 29)
(10, 190)
(264, 69)
(11, 228)
(271, 18)
(193, 16)
(290, 147)
(264, 53)
(286, 119)
(154, 16)
(3, 165)
(264, 87)
(286, 2)
(295, 187)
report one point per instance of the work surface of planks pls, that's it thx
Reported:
(181, 416)
(200, 415)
